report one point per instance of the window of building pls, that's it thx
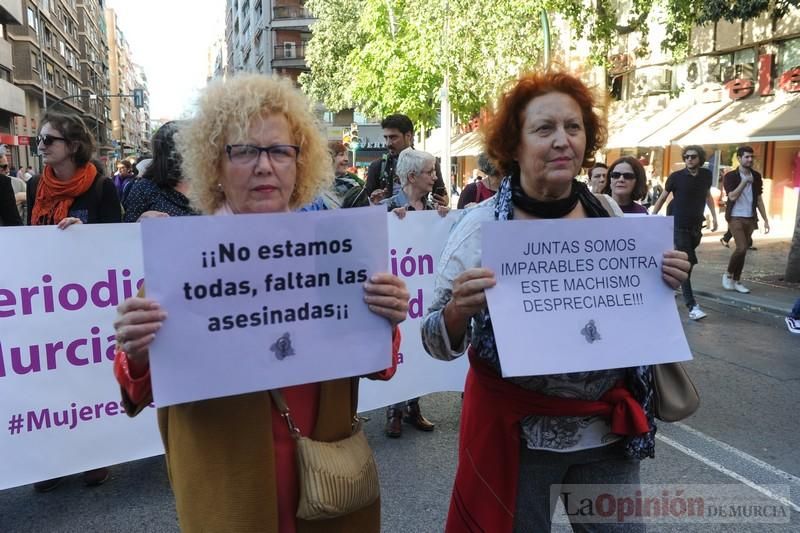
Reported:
(34, 62)
(33, 22)
(61, 48)
(619, 86)
(738, 65)
(789, 56)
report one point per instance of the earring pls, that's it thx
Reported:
(219, 186)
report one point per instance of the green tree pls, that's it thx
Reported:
(334, 37)
(385, 56)
(391, 55)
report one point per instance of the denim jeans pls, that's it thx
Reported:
(400, 406)
(539, 470)
(686, 239)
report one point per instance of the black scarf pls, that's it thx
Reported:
(579, 192)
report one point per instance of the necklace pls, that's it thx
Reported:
(539, 209)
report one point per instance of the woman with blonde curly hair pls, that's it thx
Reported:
(253, 147)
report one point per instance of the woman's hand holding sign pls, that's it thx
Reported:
(138, 320)
(468, 299)
(387, 296)
(675, 268)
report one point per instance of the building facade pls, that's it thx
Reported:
(94, 72)
(267, 36)
(143, 113)
(739, 85)
(46, 54)
(129, 125)
(12, 98)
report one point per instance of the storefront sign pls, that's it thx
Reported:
(790, 80)
(738, 89)
(741, 88)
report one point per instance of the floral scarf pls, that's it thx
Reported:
(639, 380)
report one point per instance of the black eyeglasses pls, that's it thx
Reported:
(278, 154)
(626, 175)
(47, 140)
(690, 156)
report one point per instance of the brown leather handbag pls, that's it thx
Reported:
(336, 478)
(675, 396)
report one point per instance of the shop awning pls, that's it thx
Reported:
(674, 123)
(468, 144)
(630, 122)
(461, 145)
(754, 119)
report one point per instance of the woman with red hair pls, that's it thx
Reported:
(520, 436)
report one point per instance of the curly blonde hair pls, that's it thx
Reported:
(225, 110)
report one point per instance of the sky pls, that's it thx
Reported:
(170, 40)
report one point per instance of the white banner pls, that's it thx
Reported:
(60, 405)
(59, 402)
(581, 295)
(415, 246)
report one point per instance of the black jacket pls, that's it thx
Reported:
(9, 214)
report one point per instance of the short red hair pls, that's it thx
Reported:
(503, 131)
(336, 147)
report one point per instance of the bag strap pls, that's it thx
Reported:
(280, 403)
(294, 431)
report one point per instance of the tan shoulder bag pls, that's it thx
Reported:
(336, 478)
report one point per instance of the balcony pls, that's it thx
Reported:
(290, 12)
(287, 17)
(289, 54)
(12, 98)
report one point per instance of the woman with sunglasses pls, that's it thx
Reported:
(71, 189)
(627, 184)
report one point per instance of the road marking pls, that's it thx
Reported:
(730, 473)
(739, 453)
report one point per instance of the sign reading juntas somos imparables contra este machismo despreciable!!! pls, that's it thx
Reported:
(581, 295)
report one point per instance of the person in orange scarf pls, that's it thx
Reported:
(71, 190)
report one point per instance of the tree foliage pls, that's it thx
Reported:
(393, 54)
(387, 56)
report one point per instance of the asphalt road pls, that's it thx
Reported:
(747, 368)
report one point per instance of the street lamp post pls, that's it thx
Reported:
(445, 106)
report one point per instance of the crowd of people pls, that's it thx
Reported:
(253, 146)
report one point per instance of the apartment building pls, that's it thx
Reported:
(266, 36)
(94, 71)
(12, 99)
(143, 113)
(46, 57)
(129, 125)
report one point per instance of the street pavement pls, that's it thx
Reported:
(746, 367)
(763, 274)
